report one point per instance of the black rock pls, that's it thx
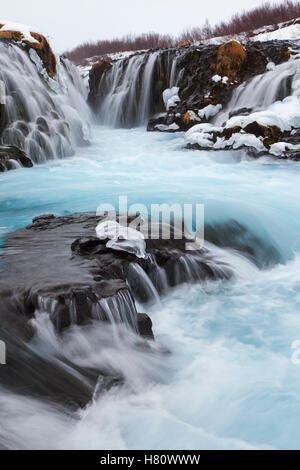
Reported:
(11, 154)
(145, 326)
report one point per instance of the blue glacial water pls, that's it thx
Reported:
(229, 381)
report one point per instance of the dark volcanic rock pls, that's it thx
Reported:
(145, 326)
(77, 279)
(199, 64)
(98, 69)
(11, 157)
(57, 267)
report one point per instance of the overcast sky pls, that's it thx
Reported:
(70, 22)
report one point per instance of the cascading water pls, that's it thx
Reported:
(263, 90)
(229, 382)
(46, 118)
(131, 91)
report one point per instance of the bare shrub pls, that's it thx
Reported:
(266, 14)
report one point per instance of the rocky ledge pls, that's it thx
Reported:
(12, 157)
(58, 267)
(59, 278)
(209, 74)
(78, 277)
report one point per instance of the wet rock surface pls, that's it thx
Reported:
(59, 280)
(230, 67)
(11, 158)
(77, 277)
(57, 269)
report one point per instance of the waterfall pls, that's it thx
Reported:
(263, 90)
(119, 308)
(141, 284)
(131, 90)
(46, 118)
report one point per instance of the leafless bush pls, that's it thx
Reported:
(127, 43)
(266, 14)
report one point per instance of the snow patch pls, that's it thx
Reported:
(286, 32)
(25, 30)
(170, 97)
(165, 127)
(216, 78)
(280, 147)
(284, 114)
(209, 111)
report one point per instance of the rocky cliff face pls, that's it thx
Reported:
(208, 75)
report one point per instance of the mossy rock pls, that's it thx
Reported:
(40, 45)
(230, 58)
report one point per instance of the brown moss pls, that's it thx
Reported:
(227, 133)
(285, 55)
(230, 58)
(103, 64)
(184, 44)
(186, 118)
(270, 132)
(207, 101)
(41, 47)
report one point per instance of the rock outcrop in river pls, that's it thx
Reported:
(57, 269)
(11, 157)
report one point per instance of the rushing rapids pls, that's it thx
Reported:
(83, 370)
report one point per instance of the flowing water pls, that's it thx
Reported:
(229, 380)
(46, 118)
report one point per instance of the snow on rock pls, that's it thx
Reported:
(209, 111)
(280, 147)
(240, 140)
(170, 97)
(270, 66)
(122, 238)
(200, 128)
(201, 134)
(291, 32)
(25, 30)
(216, 78)
(284, 114)
(166, 128)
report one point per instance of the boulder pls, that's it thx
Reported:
(12, 157)
(145, 326)
(77, 278)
